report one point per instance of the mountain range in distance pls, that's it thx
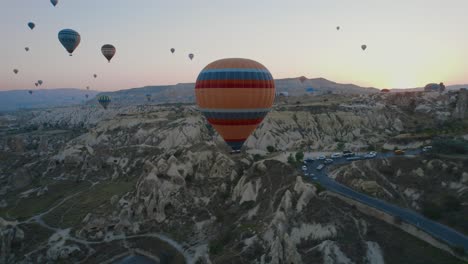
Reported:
(179, 93)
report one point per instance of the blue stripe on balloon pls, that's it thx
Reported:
(235, 115)
(235, 75)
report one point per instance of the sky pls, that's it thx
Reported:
(409, 42)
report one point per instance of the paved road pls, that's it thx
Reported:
(444, 233)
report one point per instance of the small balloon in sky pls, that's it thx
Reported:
(30, 92)
(31, 25)
(108, 51)
(54, 2)
(26, 49)
(87, 87)
(338, 28)
(191, 56)
(40, 82)
(172, 50)
(95, 76)
(364, 47)
(15, 71)
(36, 84)
(70, 39)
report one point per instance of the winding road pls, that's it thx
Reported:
(437, 230)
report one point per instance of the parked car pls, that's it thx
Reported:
(309, 160)
(370, 155)
(321, 157)
(348, 153)
(314, 178)
(304, 168)
(354, 158)
(427, 148)
(306, 174)
(320, 167)
(336, 155)
(399, 152)
(328, 161)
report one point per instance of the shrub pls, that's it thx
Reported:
(271, 149)
(257, 157)
(319, 187)
(291, 159)
(451, 203)
(450, 146)
(340, 146)
(299, 156)
(431, 210)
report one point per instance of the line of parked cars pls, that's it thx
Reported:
(349, 155)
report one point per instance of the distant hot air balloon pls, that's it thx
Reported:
(172, 50)
(338, 28)
(26, 48)
(15, 71)
(302, 79)
(86, 95)
(70, 39)
(39, 82)
(87, 87)
(104, 100)
(364, 47)
(30, 92)
(36, 84)
(54, 2)
(108, 51)
(95, 76)
(191, 56)
(148, 97)
(31, 25)
(235, 95)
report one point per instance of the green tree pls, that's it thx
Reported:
(299, 156)
(271, 149)
(340, 146)
(291, 159)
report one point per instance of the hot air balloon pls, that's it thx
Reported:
(148, 96)
(54, 2)
(302, 79)
(15, 71)
(39, 82)
(87, 87)
(235, 95)
(108, 51)
(36, 84)
(172, 50)
(338, 28)
(104, 100)
(364, 47)
(31, 25)
(191, 56)
(27, 49)
(70, 39)
(95, 76)
(86, 95)
(30, 92)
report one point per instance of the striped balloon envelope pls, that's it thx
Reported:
(235, 95)
(104, 100)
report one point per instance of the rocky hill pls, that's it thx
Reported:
(84, 185)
